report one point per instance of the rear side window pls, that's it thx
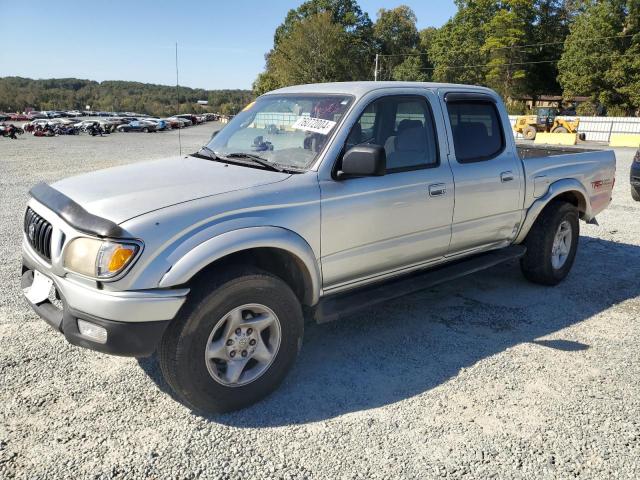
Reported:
(476, 128)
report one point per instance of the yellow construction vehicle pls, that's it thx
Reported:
(545, 120)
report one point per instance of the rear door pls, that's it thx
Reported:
(487, 172)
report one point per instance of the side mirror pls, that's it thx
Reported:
(364, 161)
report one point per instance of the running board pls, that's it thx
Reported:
(341, 304)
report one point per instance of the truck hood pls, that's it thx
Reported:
(121, 193)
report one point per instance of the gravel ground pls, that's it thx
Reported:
(485, 377)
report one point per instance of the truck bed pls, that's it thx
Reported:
(593, 169)
(537, 151)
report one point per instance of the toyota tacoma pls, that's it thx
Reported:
(313, 202)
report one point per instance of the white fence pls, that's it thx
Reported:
(599, 129)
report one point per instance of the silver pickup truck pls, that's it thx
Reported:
(314, 201)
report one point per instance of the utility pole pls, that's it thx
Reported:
(375, 71)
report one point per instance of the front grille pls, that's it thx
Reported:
(38, 232)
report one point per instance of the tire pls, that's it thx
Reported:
(199, 382)
(539, 264)
(529, 133)
(145, 130)
(559, 130)
(635, 193)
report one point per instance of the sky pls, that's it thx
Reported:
(221, 44)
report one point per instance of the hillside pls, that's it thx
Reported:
(18, 94)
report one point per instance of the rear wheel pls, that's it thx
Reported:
(233, 342)
(529, 132)
(551, 244)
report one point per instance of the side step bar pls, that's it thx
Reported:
(341, 304)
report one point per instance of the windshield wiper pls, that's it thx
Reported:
(210, 153)
(257, 159)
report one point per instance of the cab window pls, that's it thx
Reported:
(477, 132)
(404, 126)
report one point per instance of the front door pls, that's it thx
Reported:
(375, 226)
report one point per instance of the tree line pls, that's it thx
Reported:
(520, 48)
(18, 94)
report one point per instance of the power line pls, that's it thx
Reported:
(505, 64)
(515, 46)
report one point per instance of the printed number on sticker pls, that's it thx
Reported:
(316, 125)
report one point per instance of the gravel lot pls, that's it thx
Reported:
(486, 377)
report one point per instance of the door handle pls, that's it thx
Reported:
(437, 189)
(506, 176)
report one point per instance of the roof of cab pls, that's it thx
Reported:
(359, 89)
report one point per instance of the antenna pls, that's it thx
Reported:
(178, 101)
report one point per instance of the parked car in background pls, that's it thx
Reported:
(157, 122)
(19, 117)
(3, 117)
(173, 122)
(37, 115)
(188, 116)
(136, 126)
(182, 122)
(635, 177)
(74, 113)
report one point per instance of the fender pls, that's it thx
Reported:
(556, 188)
(234, 241)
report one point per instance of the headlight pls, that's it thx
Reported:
(101, 259)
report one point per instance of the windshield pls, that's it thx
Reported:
(289, 130)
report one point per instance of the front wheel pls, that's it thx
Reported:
(551, 244)
(635, 193)
(233, 342)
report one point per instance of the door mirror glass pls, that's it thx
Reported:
(363, 161)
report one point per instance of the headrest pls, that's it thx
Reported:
(412, 140)
(406, 124)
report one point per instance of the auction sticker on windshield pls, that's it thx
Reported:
(316, 125)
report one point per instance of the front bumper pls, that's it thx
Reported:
(134, 321)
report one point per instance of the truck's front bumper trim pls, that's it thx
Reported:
(132, 339)
(129, 306)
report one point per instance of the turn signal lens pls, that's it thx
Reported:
(113, 258)
(119, 258)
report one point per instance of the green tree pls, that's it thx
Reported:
(264, 83)
(624, 74)
(18, 93)
(315, 50)
(504, 34)
(550, 28)
(456, 49)
(395, 30)
(395, 35)
(411, 69)
(355, 23)
(600, 58)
